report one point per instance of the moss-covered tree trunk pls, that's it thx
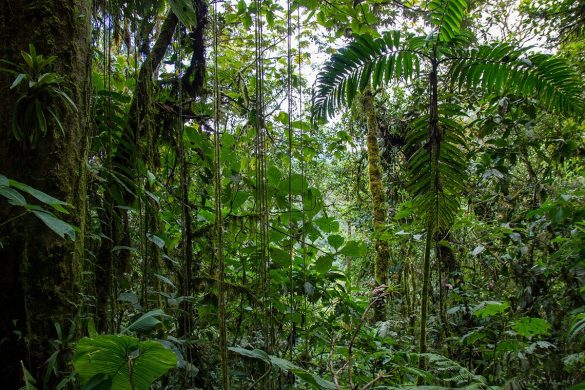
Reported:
(40, 273)
(382, 256)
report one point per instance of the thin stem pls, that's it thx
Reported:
(13, 218)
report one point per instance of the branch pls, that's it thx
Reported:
(141, 98)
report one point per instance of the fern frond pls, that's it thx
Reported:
(366, 62)
(451, 372)
(502, 69)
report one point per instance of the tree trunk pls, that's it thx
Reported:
(434, 150)
(450, 274)
(112, 267)
(382, 256)
(40, 273)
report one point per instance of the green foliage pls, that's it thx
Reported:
(578, 326)
(41, 96)
(315, 381)
(491, 308)
(452, 373)
(184, 11)
(503, 299)
(147, 321)
(29, 380)
(502, 69)
(499, 68)
(529, 327)
(121, 362)
(11, 191)
(447, 15)
(441, 204)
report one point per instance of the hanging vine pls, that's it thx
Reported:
(219, 254)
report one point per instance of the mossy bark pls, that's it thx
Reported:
(382, 256)
(40, 273)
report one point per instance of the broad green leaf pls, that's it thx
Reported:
(57, 225)
(147, 321)
(184, 11)
(315, 380)
(327, 224)
(14, 197)
(246, 20)
(323, 264)
(529, 327)
(238, 199)
(273, 175)
(285, 365)
(124, 359)
(279, 256)
(298, 184)
(490, 308)
(579, 386)
(335, 240)
(40, 195)
(156, 240)
(165, 280)
(131, 298)
(353, 249)
(99, 381)
(242, 7)
(254, 354)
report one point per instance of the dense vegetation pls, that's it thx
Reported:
(299, 194)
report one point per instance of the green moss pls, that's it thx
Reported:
(379, 211)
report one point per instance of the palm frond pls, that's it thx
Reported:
(437, 180)
(366, 62)
(447, 16)
(501, 69)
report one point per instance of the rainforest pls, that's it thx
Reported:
(292, 194)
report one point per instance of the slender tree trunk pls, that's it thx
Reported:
(191, 85)
(448, 271)
(40, 273)
(382, 257)
(434, 150)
